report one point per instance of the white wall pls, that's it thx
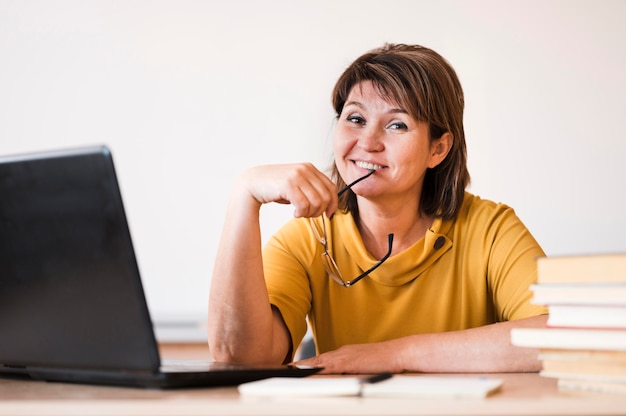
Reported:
(190, 93)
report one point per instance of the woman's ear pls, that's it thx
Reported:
(439, 149)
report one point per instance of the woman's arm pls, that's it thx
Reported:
(242, 325)
(486, 349)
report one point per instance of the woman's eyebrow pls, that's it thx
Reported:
(355, 103)
(391, 111)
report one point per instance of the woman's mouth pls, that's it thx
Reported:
(367, 165)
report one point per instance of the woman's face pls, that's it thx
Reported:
(374, 133)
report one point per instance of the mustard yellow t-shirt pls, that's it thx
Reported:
(468, 272)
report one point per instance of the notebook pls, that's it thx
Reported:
(72, 305)
(414, 385)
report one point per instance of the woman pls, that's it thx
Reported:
(405, 271)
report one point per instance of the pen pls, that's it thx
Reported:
(376, 378)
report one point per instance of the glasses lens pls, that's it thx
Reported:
(319, 231)
(332, 269)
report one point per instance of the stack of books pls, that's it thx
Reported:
(584, 342)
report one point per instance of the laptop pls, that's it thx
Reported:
(72, 305)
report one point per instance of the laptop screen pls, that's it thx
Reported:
(70, 291)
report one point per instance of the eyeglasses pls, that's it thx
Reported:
(329, 263)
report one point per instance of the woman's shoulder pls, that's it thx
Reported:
(293, 228)
(477, 210)
(476, 205)
(293, 239)
(483, 222)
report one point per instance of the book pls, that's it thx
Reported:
(395, 386)
(579, 294)
(591, 386)
(583, 355)
(587, 316)
(585, 369)
(583, 345)
(314, 386)
(432, 386)
(570, 338)
(588, 268)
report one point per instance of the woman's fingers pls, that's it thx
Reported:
(309, 190)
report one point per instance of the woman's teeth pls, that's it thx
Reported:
(367, 165)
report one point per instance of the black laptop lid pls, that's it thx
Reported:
(70, 291)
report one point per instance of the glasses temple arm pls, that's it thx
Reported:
(374, 267)
(350, 185)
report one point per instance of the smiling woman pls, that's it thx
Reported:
(405, 225)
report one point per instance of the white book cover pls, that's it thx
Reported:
(579, 294)
(396, 386)
(579, 316)
(566, 338)
(433, 386)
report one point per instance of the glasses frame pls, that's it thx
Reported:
(329, 262)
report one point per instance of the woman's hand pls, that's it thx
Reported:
(356, 359)
(302, 185)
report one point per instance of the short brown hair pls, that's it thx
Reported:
(425, 84)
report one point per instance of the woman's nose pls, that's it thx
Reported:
(371, 139)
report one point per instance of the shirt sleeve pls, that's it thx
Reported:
(512, 264)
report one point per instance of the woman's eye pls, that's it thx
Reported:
(355, 119)
(397, 125)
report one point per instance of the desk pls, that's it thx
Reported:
(521, 394)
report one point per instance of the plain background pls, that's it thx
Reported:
(188, 94)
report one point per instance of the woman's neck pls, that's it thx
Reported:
(403, 220)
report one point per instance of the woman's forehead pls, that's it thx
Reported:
(373, 90)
